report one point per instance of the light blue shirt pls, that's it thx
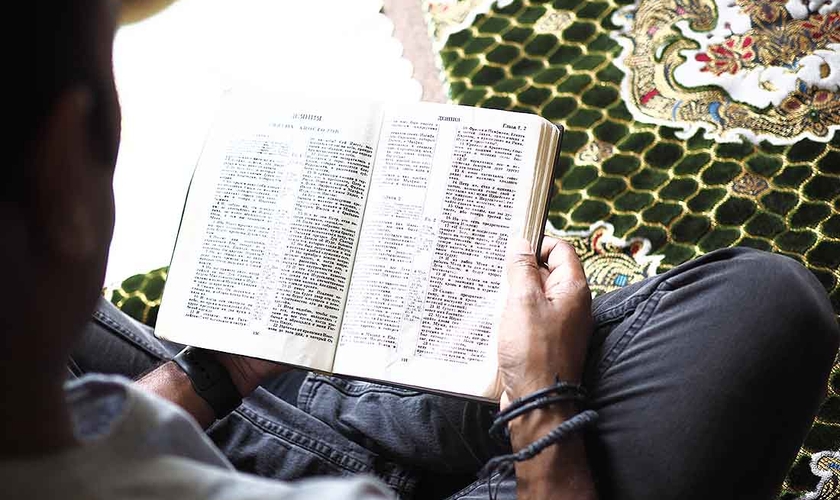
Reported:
(134, 445)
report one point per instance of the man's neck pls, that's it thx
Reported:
(34, 417)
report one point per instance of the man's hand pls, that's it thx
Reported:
(547, 321)
(248, 373)
(544, 333)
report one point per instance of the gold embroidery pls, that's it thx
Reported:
(595, 152)
(750, 184)
(776, 47)
(609, 263)
(553, 21)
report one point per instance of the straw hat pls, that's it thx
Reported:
(137, 10)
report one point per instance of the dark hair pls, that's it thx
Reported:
(65, 49)
(61, 55)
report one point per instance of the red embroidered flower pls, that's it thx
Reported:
(816, 107)
(728, 57)
(823, 29)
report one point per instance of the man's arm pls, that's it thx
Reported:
(561, 471)
(170, 382)
(544, 334)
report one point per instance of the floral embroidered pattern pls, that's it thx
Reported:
(823, 29)
(782, 45)
(816, 107)
(728, 57)
(754, 69)
(448, 16)
(595, 152)
(826, 466)
(750, 184)
(766, 11)
(609, 262)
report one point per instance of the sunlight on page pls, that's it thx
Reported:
(450, 185)
(269, 233)
(365, 240)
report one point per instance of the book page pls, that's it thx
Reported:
(450, 185)
(269, 232)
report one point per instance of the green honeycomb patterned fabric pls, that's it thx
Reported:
(688, 190)
(139, 296)
(686, 196)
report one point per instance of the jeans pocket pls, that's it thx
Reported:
(272, 438)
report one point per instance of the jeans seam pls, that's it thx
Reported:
(367, 388)
(474, 486)
(619, 310)
(305, 393)
(74, 368)
(324, 451)
(650, 304)
(315, 446)
(109, 322)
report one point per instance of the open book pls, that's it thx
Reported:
(366, 241)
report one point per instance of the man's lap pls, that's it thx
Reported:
(672, 370)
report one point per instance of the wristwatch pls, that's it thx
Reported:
(210, 379)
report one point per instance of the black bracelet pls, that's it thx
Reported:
(558, 388)
(210, 379)
(559, 392)
(504, 464)
(574, 424)
(499, 428)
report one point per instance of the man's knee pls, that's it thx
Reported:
(767, 362)
(765, 299)
(783, 293)
(781, 281)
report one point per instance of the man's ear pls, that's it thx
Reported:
(63, 180)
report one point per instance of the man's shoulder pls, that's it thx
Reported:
(168, 478)
(135, 445)
(113, 412)
(176, 478)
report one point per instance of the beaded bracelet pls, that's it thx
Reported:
(499, 427)
(559, 387)
(559, 392)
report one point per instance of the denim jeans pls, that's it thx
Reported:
(706, 378)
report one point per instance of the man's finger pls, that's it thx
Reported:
(523, 271)
(562, 254)
(548, 245)
(565, 267)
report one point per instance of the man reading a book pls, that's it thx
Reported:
(724, 354)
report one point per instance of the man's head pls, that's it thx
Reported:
(56, 201)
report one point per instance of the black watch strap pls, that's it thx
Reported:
(210, 379)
